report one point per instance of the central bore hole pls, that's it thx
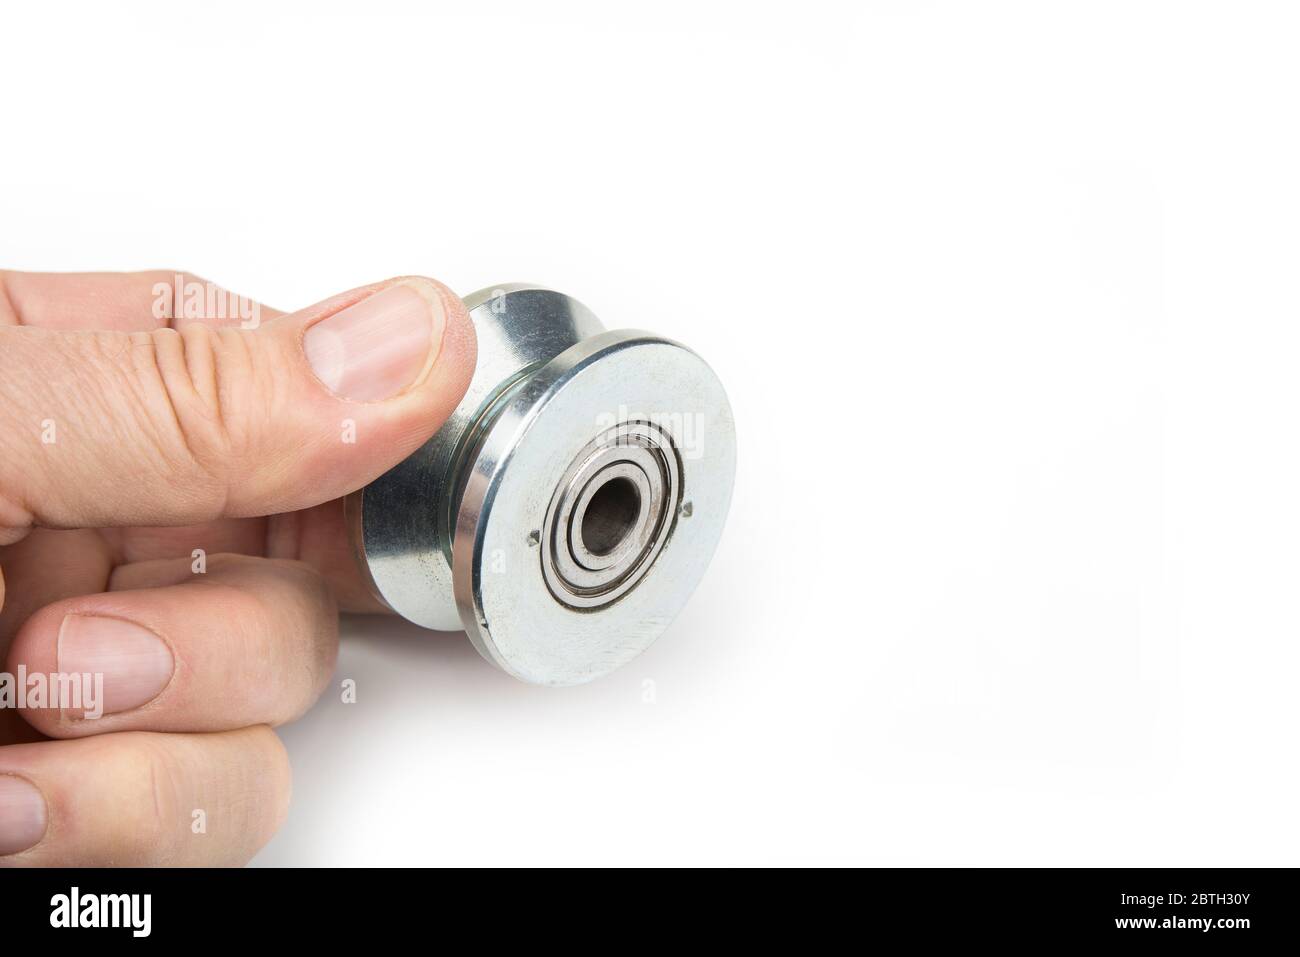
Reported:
(610, 515)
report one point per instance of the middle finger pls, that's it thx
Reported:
(248, 641)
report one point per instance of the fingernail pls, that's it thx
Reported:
(135, 662)
(379, 346)
(22, 814)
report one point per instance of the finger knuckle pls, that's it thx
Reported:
(193, 396)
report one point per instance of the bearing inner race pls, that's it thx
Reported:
(611, 513)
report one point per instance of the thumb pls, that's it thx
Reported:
(181, 426)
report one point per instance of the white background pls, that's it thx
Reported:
(1005, 296)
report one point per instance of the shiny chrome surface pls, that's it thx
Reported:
(401, 523)
(611, 512)
(565, 512)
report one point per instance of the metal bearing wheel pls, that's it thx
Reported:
(566, 510)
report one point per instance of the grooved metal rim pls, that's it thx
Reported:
(454, 536)
(524, 455)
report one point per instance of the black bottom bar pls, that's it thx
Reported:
(1229, 908)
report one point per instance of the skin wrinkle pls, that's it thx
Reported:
(96, 405)
(153, 371)
(165, 790)
(200, 356)
(232, 362)
(172, 392)
(155, 789)
(240, 412)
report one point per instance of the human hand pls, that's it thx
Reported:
(139, 454)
